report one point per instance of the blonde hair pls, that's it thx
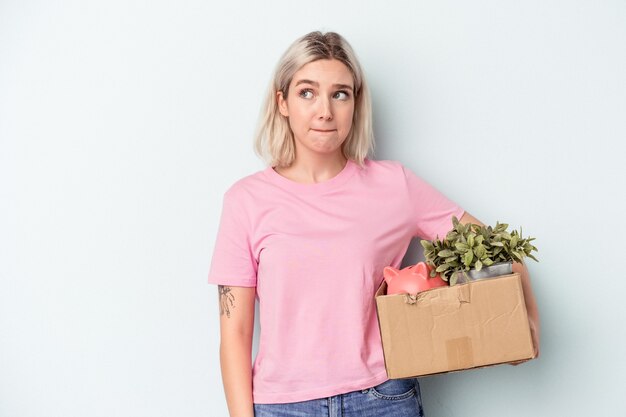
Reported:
(274, 141)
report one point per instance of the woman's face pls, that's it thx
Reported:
(320, 106)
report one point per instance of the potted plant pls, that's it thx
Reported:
(470, 252)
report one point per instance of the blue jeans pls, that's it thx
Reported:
(392, 398)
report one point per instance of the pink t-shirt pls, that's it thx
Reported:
(316, 254)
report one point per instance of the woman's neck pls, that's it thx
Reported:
(311, 171)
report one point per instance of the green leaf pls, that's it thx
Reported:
(454, 278)
(498, 244)
(455, 221)
(480, 251)
(427, 244)
(479, 265)
(469, 256)
(514, 241)
(470, 240)
(451, 259)
(442, 268)
(480, 239)
(532, 257)
(445, 253)
(487, 262)
(462, 247)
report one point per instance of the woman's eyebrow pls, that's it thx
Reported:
(316, 84)
(343, 86)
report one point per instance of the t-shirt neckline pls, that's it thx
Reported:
(323, 186)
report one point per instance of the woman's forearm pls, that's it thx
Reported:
(236, 331)
(235, 361)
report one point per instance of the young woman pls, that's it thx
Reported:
(310, 236)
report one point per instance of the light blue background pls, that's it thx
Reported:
(123, 122)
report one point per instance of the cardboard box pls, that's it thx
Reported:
(445, 329)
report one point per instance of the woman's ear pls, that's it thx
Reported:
(282, 104)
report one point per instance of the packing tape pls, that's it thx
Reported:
(459, 352)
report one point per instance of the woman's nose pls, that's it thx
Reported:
(325, 111)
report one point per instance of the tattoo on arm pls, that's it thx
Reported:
(227, 300)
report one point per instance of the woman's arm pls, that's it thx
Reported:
(529, 297)
(236, 330)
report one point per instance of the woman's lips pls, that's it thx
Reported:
(324, 130)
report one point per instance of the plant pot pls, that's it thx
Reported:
(486, 272)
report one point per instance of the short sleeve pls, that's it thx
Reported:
(233, 262)
(432, 211)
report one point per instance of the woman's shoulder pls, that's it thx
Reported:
(383, 165)
(247, 185)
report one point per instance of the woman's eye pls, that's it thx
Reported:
(341, 95)
(306, 93)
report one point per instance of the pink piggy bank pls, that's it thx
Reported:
(411, 280)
